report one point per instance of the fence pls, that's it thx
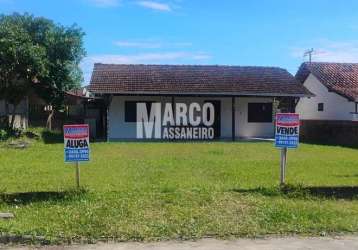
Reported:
(343, 133)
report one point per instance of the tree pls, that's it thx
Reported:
(21, 61)
(43, 56)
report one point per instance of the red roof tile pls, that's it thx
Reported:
(194, 79)
(341, 78)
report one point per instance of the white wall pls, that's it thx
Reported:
(336, 107)
(119, 129)
(226, 115)
(250, 129)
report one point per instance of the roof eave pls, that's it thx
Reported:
(204, 93)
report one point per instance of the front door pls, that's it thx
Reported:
(217, 117)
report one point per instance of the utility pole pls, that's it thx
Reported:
(309, 54)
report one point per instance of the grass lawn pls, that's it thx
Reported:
(151, 191)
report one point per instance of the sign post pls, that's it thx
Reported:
(286, 136)
(283, 165)
(77, 174)
(76, 139)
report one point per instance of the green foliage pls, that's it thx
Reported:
(34, 133)
(45, 135)
(151, 191)
(37, 53)
(3, 134)
(21, 60)
(6, 133)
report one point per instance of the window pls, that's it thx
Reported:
(320, 106)
(130, 110)
(259, 112)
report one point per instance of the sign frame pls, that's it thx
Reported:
(289, 124)
(78, 136)
(78, 156)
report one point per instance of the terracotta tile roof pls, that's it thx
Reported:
(194, 79)
(75, 92)
(341, 78)
(79, 92)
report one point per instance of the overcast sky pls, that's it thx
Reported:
(231, 32)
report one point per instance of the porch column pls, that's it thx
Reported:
(107, 102)
(233, 110)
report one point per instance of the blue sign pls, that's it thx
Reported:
(75, 154)
(76, 139)
(287, 130)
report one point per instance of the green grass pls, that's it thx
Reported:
(152, 191)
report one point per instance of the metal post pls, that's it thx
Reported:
(77, 174)
(283, 165)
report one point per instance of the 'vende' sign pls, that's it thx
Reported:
(287, 130)
(76, 138)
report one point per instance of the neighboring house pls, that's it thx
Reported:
(80, 107)
(245, 98)
(331, 115)
(335, 86)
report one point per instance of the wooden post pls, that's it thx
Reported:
(233, 110)
(77, 174)
(283, 165)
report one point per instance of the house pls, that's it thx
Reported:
(335, 86)
(80, 107)
(244, 99)
(333, 112)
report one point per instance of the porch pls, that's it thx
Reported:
(236, 117)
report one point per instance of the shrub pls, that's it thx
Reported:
(47, 136)
(6, 133)
(3, 134)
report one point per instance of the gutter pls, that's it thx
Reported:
(228, 94)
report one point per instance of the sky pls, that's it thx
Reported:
(227, 32)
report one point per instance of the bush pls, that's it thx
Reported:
(3, 135)
(47, 136)
(35, 133)
(6, 133)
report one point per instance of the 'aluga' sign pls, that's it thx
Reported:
(76, 140)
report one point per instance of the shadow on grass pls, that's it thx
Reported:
(289, 191)
(346, 175)
(31, 197)
(188, 141)
(352, 145)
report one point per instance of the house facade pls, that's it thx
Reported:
(335, 86)
(244, 99)
(331, 115)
